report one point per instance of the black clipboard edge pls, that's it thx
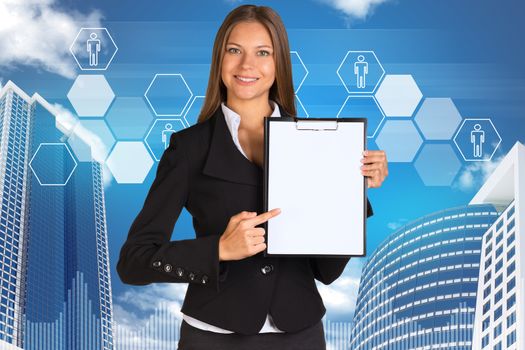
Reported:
(267, 121)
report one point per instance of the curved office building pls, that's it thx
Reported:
(418, 289)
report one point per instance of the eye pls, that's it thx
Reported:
(233, 50)
(264, 53)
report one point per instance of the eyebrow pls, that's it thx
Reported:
(260, 46)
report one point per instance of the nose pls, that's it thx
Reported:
(247, 61)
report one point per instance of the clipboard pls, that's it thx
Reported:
(312, 172)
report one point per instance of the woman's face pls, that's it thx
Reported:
(248, 66)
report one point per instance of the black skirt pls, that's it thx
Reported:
(192, 338)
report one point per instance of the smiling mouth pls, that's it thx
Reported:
(245, 79)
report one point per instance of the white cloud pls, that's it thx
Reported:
(340, 297)
(354, 9)
(475, 174)
(138, 308)
(37, 33)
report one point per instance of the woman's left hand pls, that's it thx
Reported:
(375, 167)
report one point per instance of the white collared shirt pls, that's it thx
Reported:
(233, 120)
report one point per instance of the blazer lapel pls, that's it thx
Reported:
(225, 161)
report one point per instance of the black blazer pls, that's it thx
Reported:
(203, 171)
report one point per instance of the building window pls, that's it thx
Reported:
(511, 253)
(511, 319)
(511, 239)
(488, 249)
(488, 236)
(511, 284)
(511, 268)
(497, 346)
(486, 307)
(499, 238)
(511, 301)
(498, 280)
(510, 226)
(499, 225)
(511, 338)
(487, 277)
(499, 251)
(488, 262)
(497, 331)
(486, 323)
(486, 292)
(499, 264)
(485, 341)
(510, 212)
(497, 296)
(497, 313)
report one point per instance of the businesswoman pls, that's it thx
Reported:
(236, 298)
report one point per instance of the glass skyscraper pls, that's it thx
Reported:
(500, 308)
(418, 289)
(55, 280)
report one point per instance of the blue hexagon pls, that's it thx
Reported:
(477, 139)
(93, 49)
(360, 72)
(168, 94)
(398, 95)
(91, 140)
(299, 71)
(129, 117)
(90, 95)
(363, 107)
(193, 111)
(129, 162)
(158, 137)
(438, 118)
(400, 140)
(437, 164)
(53, 164)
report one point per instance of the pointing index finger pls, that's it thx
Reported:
(259, 219)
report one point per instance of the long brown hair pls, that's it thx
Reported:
(282, 90)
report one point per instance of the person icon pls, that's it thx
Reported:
(93, 48)
(361, 71)
(166, 134)
(477, 138)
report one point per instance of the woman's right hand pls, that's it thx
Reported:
(242, 239)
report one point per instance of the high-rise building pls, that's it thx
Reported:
(500, 307)
(418, 288)
(55, 279)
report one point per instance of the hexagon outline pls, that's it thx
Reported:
(168, 115)
(377, 104)
(188, 109)
(53, 143)
(378, 81)
(302, 106)
(306, 69)
(459, 148)
(151, 128)
(75, 40)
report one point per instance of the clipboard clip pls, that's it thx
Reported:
(316, 125)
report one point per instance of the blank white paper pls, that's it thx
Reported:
(314, 176)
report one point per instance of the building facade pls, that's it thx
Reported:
(55, 280)
(418, 289)
(499, 322)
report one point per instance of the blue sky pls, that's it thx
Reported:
(469, 51)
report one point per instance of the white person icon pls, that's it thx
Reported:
(93, 48)
(477, 138)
